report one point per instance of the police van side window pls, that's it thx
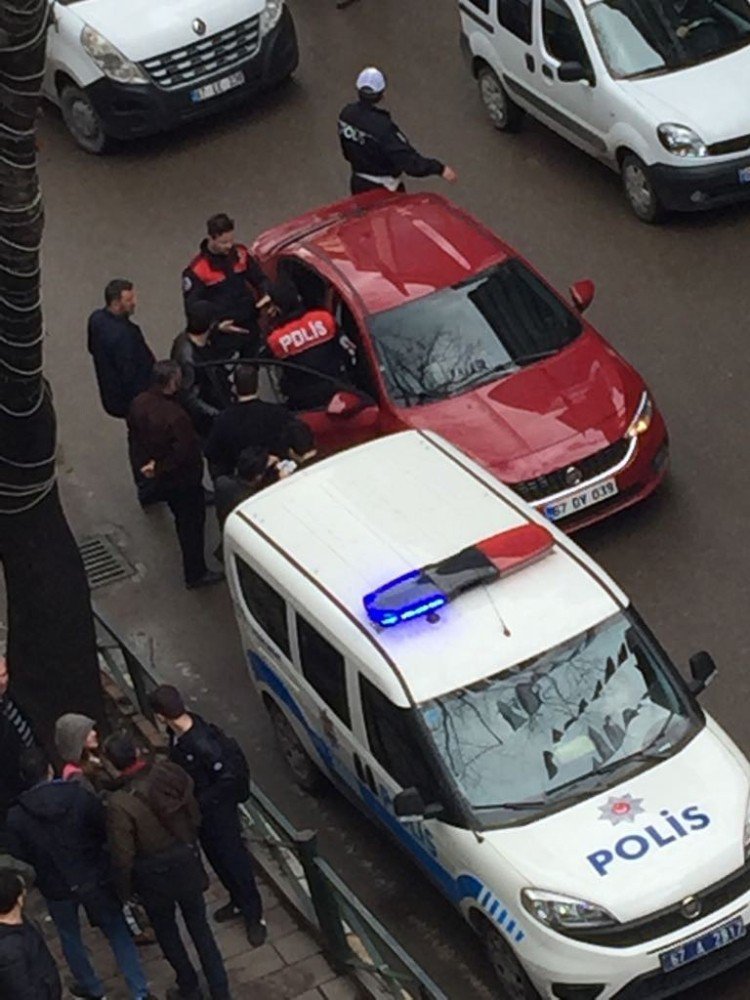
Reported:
(515, 17)
(266, 606)
(390, 734)
(324, 667)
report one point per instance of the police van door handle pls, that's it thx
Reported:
(530, 64)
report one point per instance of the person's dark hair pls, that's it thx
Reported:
(201, 316)
(369, 97)
(11, 887)
(163, 372)
(166, 700)
(115, 288)
(219, 224)
(287, 298)
(252, 462)
(246, 380)
(301, 438)
(33, 766)
(120, 750)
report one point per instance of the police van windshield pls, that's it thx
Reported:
(472, 333)
(637, 37)
(579, 718)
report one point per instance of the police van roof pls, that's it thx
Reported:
(344, 527)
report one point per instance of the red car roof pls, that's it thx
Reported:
(391, 249)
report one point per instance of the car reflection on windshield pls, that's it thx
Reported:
(564, 723)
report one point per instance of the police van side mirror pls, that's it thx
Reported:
(702, 670)
(409, 802)
(345, 404)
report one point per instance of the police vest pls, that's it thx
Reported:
(207, 272)
(315, 329)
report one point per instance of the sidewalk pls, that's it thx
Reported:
(289, 966)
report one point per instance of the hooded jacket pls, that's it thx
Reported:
(59, 826)
(27, 970)
(154, 810)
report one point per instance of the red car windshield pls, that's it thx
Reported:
(474, 332)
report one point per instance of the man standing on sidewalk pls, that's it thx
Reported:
(153, 825)
(122, 361)
(58, 827)
(219, 771)
(168, 453)
(27, 970)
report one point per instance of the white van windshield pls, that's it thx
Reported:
(637, 37)
(581, 715)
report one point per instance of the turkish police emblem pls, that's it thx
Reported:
(621, 809)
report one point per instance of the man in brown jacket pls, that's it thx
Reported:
(166, 450)
(152, 823)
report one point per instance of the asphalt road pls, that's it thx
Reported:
(673, 300)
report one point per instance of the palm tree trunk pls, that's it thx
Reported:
(51, 642)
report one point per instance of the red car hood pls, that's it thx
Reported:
(552, 414)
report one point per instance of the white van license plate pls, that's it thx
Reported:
(744, 175)
(691, 951)
(217, 87)
(586, 497)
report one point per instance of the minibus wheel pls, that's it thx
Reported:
(305, 773)
(515, 983)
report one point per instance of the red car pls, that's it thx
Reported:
(457, 333)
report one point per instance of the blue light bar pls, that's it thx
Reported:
(406, 597)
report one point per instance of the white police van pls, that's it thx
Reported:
(481, 688)
(654, 88)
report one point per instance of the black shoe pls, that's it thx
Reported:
(257, 933)
(209, 578)
(147, 501)
(227, 913)
(77, 991)
(175, 993)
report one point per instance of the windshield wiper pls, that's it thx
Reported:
(525, 804)
(527, 359)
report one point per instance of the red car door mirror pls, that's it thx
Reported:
(582, 294)
(345, 404)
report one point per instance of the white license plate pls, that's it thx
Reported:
(586, 497)
(691, 951)
(744, 175)
(217, 87)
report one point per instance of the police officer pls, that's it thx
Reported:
(378, 152)
(227, 275)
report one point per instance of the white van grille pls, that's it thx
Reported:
(206, 57)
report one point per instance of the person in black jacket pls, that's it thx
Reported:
(16, 735)
(122, 361)
(27, 969)
(374, 146)
(203, 750)
(59, 828)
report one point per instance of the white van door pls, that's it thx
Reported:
(580, 109)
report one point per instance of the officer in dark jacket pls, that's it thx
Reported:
(227, 275)
(27, 970)
(376, 149)
(202, 750)
(122, 360)
(59, 828)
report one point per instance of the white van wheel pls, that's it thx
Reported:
(304, 771)
(502, 112)
(639, 190)
(82, 121)
(514, 981)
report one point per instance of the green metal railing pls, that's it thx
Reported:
(354, 940)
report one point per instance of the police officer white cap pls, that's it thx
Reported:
(371, 81)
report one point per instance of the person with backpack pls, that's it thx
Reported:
(27, 970)
(219, 770)
(152, 821)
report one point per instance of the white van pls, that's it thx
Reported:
(657, 89)
(119, 69)
(521, 734)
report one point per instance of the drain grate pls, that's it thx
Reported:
(103, 561)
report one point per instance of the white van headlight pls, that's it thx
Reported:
(271, 15)
(642, 417)
(109, 59)
(561, 913)
(681, 140)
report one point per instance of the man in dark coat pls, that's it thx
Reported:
(59, 828)
(168, 452)
(27, 970)
(15, 736)
(122, 360)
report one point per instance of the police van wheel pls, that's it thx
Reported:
(515, 983)
(304, 771)
(82, 121)
(502, 112)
